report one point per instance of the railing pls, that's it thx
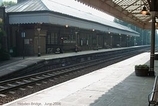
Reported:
(153, 96)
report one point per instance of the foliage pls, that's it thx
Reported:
(144, 34)
(141, 66)
(2, 34)
(120, 22)
(128, 25)
(10, 3)
(141, 70)
(4, 55)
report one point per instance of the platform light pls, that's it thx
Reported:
(144, 11)
(93, 29)
(109, 32)
(66, 26)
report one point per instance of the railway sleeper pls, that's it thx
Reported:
(2, 95)
(39, 77)
(50, 74)
(46, 76)
(3, 87)
(11, 85)
(27, 81)
(20, 82)
(153, 96)
(34, 79)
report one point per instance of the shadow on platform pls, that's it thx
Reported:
(132, 91)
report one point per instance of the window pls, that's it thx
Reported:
(52, 38)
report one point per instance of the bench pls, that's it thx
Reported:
(153, 96)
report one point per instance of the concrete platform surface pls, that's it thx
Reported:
(115, 85)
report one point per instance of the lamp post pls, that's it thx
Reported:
(127, 40)
(111, 41)
(39, 54)
(134, 40)
(23, 36)
(142, 37)
(76, 42)
(153, 10)
(120, 41)
(152, 73)
(97, 42)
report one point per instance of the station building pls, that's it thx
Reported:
(46, 27)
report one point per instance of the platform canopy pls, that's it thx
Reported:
(51, 12)
(126, 10)
(131, 12)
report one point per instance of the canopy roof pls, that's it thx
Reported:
(127, 10)
(49, 5)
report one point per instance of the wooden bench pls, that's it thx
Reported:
(153, 96)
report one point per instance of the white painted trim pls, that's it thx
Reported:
(29, 18)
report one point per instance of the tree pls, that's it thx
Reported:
(121, 22)
(4, 55)
(1, 34)
(6, 4)
(144, 34)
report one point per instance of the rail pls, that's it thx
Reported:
(15, 83)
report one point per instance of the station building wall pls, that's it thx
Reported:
(56, 38)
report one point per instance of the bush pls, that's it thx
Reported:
(141, 70)
(141, 66)
(4, 55)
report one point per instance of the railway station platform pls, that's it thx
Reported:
(18, 63)
(114, 85)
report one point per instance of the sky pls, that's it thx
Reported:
(82, 7)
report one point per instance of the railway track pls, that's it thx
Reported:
(16, 83)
